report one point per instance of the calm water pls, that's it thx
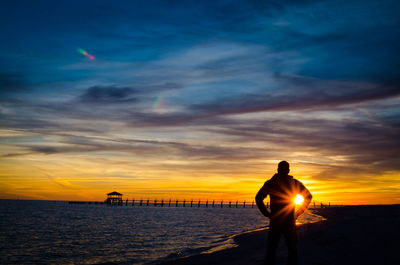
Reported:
(45, 232)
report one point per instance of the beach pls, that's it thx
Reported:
(349, 235)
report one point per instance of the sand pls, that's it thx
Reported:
(350, 235)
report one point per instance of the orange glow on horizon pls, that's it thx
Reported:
(90, 176)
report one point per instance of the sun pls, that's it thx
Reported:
(299, 199)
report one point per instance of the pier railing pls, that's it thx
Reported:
(192, 203)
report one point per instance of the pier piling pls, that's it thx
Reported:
(207, 203)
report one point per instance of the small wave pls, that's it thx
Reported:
(229, 243)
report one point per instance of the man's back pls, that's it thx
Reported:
(282, 190)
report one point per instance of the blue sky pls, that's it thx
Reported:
(207, 83)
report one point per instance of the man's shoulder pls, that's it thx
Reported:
(271, 180)
(298, 183)
(295, 180)
(268, 183)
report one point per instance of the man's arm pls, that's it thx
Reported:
(307, 199)
(261, 195)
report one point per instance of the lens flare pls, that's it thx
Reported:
(157, 102)
(299, 199)
(83, 52)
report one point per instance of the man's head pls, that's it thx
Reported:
(283, 168)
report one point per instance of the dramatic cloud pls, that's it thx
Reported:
(188, 96)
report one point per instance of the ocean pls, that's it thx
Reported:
(48, 232)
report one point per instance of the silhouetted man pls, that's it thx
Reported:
(282, 189)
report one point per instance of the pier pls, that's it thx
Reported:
(115, 199)
(207, 203)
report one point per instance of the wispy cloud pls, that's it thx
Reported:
(216, 90)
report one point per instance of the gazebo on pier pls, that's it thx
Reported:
(114, 198)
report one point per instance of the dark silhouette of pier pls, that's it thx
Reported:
(192, 203)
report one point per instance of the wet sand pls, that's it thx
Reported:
(350, 235)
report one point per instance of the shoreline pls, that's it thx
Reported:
(349, 235)
(232, 242)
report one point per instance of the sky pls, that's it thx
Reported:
(199, 99)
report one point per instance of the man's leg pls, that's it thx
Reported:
(273, 239)
(291, 242)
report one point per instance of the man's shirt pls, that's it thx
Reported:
(282, 190)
